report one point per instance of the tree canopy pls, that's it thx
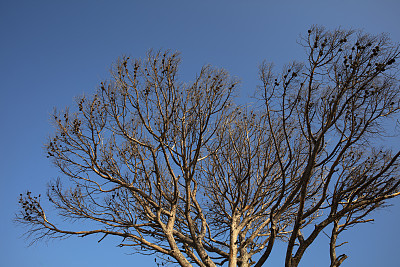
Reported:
(180, 171)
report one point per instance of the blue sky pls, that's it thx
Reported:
(52, 51)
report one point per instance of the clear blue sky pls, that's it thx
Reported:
(52, 51)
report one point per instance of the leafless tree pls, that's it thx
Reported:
(179, 171)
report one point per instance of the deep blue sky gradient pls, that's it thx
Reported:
(52, 51)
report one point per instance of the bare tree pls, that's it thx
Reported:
(179, 171)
